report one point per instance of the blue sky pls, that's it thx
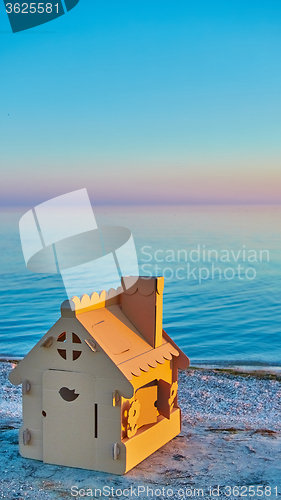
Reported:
(144, 102)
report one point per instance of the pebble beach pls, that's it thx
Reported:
(230, 440)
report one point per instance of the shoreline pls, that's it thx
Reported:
(257, 369)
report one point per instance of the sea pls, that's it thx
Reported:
(222, 271)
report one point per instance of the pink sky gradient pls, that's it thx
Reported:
(136, 185)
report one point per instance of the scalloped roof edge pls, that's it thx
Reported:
(144, 285)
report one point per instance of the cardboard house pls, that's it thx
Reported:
(100, 388)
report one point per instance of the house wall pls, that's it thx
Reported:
(161, 371)
(108, 379)
(150, 438)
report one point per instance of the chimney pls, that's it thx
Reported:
(142, 303)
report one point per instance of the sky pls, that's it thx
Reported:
(144, 102)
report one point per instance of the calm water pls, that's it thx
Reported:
(225, 318)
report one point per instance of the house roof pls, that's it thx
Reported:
(126, 345)
(123, 343)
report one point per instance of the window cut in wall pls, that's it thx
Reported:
(73, 352)
(75, 339)
(62, 337)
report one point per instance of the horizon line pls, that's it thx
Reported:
(155, 204)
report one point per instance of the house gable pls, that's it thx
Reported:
(65, 347)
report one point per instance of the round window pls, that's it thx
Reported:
(69, 348)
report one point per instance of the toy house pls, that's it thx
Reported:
(100, 388)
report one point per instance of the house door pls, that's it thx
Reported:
(69, 423)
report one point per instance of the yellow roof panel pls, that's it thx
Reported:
(122, 342)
